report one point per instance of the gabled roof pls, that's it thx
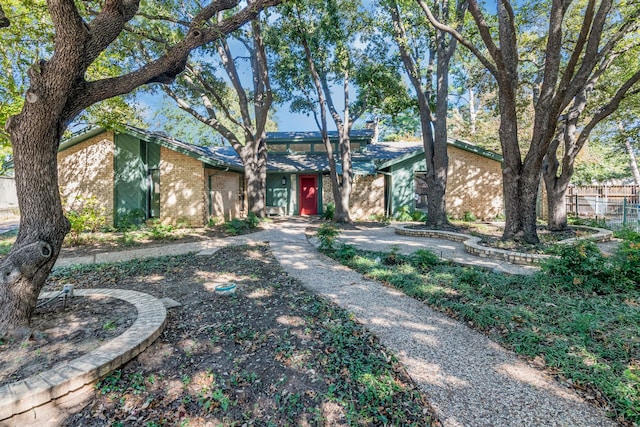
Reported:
(367, 161)
(213, 156)
(355, 135)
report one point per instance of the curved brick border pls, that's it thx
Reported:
(67, 377)
(472, 244)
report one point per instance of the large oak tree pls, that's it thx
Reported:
(59, 91)
(423, 53)
(562, 70)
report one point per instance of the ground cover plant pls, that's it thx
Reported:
(270, 354)
(579, 318)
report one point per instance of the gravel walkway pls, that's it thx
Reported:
(469, 380)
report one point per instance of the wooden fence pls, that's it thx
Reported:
(617, 205)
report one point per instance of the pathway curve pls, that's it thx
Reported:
(469, 379)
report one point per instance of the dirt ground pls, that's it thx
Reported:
(271, 354)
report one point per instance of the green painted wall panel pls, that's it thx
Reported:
(278, 194)
(130, 180)
(402, 183)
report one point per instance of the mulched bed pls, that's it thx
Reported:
(271, 354)
(62, 331)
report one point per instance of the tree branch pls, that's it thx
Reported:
(490, 66)
(163, 69)
(4, 21)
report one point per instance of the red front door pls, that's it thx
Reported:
(308, 195)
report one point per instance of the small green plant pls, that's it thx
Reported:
(419, 216)
(425, 259)
(468, 216)
(239, 226)
(130, 220)
(628, 234)
(252, 220)
(235, 226)
(109, 325)
(329, 211)
(380, 218)
(327, 234)
(579, 266)
(345, 252)
(90, 217)
(404, 214)
(159, 230)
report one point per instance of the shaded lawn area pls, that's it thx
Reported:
(589, 340)
(271, 354)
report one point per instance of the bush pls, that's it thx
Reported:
(159, 230)
(419, 216)
(580, 266)
(130, 220)
(424, 259)
(404, 214)
(468, 216)
(239, 226)
(627, 262)
(91, 218)
(345, 252)
(235, 226)
(327, 234)
(329, 211)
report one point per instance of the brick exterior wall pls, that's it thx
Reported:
(225, 194)
(182, 194)
(474, 184)
(86, 170)
(367, 196)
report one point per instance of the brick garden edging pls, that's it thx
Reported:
(67, 377)
(472, 243)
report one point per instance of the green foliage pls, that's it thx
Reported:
(628, 234)
(586, 336)
(468, 216)
(91, 217)
(327, 234)
(627, 261)
(130, 220)
(424, 259)
(418, 216)
(158, 230)
(239, 226)
(404, 214)
(329, 211)
(579, 266)
(6, 241)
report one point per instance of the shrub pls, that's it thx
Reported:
(424, 259)
(628, 234)
(252, 220)
(627, 262)
(235, 226)
(468, 216)
(159, 230)
(404, 214)
(329, 211)
(130, 220)
(419, 216)
(345, 252)
(327, 234)
(579, 266)
(91, 217)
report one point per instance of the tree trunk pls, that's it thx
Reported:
(255, 161)
(556, 201)
(24, 270)
(632, 161)
(343, 195)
